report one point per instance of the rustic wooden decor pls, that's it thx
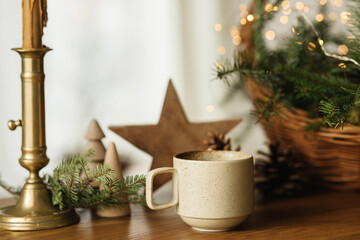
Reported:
(93, 135)
(112, 159)
(173, 134)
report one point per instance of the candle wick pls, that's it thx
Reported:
(43, 15)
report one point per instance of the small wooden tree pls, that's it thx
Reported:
(112, 160)
(94, 134)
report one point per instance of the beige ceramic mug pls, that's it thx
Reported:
(212, 190)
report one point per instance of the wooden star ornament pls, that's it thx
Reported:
(173, 134)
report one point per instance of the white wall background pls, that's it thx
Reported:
(112, 60)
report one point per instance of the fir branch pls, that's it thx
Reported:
(328, 90)
(98, 173)
(268, 110)
(329, 81)
(68, 189)
(72, 173)
(71, 190)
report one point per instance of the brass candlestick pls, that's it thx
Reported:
(33, 210)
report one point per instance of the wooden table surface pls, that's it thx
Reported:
(329, 215)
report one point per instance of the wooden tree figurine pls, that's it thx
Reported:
(94, 135)
(112, 159)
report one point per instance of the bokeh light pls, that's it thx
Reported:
(268, 7)
(344, 17)
(218, 27)
(221, 50)
(343, 50)
(236, 40)
(210, 108)
(299, 6)
(342, 65)
(285, 4)
(234, 32)
(250, 17)
(284, 19)
(311, 46)
(319, 17)
(270, 35)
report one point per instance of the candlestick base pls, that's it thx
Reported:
(29, 215)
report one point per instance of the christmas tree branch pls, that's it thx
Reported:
(301, 71)
(69, 189)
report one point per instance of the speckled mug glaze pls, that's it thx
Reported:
(212, 190)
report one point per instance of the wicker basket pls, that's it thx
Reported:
(332, 155)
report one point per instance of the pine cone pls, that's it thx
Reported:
(280, 174)
(217, 141)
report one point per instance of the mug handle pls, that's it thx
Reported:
(149, 188)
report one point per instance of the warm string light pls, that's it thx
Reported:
(243, 21)
(234, 31)
(218, 27)
(285, 4)
(284, 19)
(311, 46)
(344, 17)
(342, 65)
(319, 17)
(210, 108)
(299, 6)
(250, 17)
(343, 50)
(221, 50)
(235, 34)
(268, 7)
(236, 40)
(321, 43)
(270, 35)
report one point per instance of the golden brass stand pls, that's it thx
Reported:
(33, 210)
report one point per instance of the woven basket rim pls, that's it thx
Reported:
(299, 115)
